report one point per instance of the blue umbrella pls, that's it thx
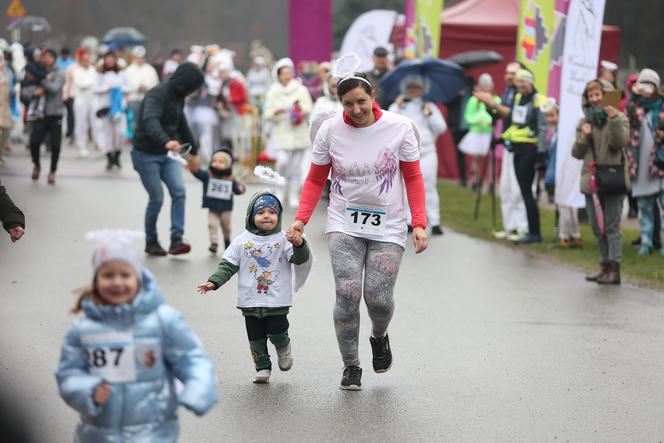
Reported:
(123, 36)
(445, 79)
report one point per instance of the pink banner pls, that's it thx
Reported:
(310, 30)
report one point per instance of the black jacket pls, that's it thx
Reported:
(10, 215)
(161, 117)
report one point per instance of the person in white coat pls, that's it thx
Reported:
(141, 77)
(81, 77)
(288, 105)
(110, 88)
(431, 124)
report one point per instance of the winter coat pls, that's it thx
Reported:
(430, 127)
(161, 116)
(54, 84)
(142, 406)
(636, 115)
(104, 85)
(285, 135)
(141, 79)
(10, 215)
(6, 121)
(609, 141)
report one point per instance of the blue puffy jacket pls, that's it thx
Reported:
(143, 401)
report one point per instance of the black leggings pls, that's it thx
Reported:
(525, 159)
(260, 328)
(39, 129)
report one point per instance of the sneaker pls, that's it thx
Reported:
(529, 239)
(154, 248)
(51, 178)
(382, 354)
(178, 246)
(352, 379)
(437, 230)
(262, 377)
(285, 357)
(500, 235)
(515, 236)
(576, 242)
(227, 243)
(35, 172)
(83, 153)
(644, 250)
(213, 248)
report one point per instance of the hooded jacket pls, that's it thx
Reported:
(161, 117)
(164, 348)
(226, 269)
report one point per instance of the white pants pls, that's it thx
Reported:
(112, 134)
(568, 224)
(207, 121)
(289, 166)
(511, 201)
(429, 167)
(84, 117)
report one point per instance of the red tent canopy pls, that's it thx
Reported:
(491, 25)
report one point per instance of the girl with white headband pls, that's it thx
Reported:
(374, 159)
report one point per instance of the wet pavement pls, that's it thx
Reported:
(489, 343)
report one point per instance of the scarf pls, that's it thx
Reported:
(654, 107)
(596, 116)
(377, 112)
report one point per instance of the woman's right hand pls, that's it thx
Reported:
(102, 393)
(586, 129)
(420, 240)
(298, 226)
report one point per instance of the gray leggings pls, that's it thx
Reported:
(380, 262)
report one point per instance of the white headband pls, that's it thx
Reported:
(355, 78)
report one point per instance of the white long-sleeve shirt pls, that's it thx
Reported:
(430, 127)
(107, 81)
(82, 81)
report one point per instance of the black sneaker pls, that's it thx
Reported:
(213, 248)
(227, 243)
(382, 354)
(154, 248)
(529, 239)
(437, 230)
(352, 379)
(178, 246)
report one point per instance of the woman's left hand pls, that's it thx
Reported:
(611, 111)
(420, 239)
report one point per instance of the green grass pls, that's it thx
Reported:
(457, 208)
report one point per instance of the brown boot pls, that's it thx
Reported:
(35, 172)
(602, 271)
(612, 276)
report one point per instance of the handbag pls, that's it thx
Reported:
(610, 179)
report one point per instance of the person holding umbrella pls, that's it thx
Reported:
(431, 124)
(601, 137)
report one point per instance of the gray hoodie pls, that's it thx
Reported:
(53, 83)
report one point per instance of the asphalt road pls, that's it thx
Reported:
(489, 343)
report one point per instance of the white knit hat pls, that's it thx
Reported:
(116, 245)
(138, 51)
(649, 76)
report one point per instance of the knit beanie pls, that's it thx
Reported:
(266, 201)
(113, 245)
(526, 75)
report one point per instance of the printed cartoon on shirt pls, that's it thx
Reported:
(263, 258)
(386, 169)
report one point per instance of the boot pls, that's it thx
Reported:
(612, 275)
(116, 159)
(35, 172)
(109, 161)
(602, 271)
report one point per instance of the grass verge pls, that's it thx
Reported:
(457, 208)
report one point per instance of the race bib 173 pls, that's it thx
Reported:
(361, 219)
